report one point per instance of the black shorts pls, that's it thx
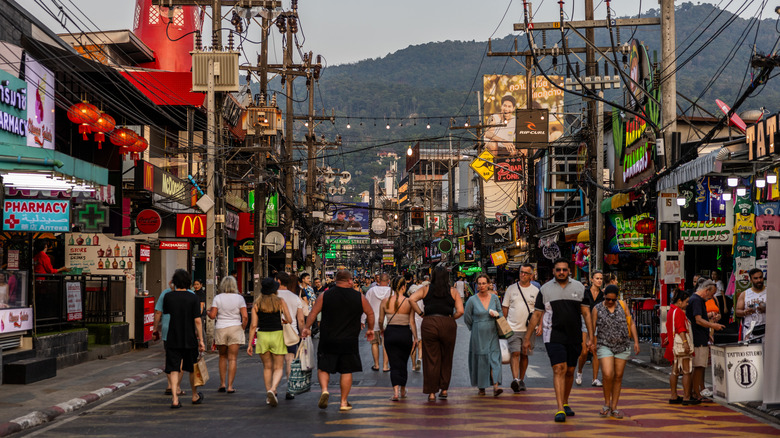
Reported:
(339, 363)
(292, 349)
(563, 353)
(184, 357)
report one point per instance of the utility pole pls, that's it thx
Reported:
(668, 79)
(210, 175)
(288, 149)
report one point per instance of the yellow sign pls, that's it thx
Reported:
(499, 258)
(483, 165)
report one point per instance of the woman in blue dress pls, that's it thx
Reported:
(481, 312)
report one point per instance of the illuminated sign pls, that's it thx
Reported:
(624, 236)
(760, 138)
(153, 179)
(191, 225)
(717, 231)
(13, 109)
(509, 169)
(174, 244)
(36, 215)
(148, 221)
(41, 84)
(634, 152)
(532, 126)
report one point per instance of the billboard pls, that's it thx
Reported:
(507, 137)
(348, 219)
(40, 103)
(36, 215)
(191, 225)
(13, 110)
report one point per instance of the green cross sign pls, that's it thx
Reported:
(91, 216)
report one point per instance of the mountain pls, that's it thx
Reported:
(430, 83)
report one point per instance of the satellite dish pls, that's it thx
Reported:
(275, 241)
(332, 190)
(345, 177)
(342, 190)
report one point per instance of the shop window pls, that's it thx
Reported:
(13, 289)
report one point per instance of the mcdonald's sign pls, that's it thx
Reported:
(191, 225)
(164, 184)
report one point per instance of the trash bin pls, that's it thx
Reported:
(737, 372)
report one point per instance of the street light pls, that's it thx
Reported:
(409, 151)
(680, 201)
(727, 196)
(772, 177)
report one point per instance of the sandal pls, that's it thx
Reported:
(497, 392)
(605, 410)
(323, 403)
(431, 397)
(394, 398)
(481, 391)
(676, 401)
(617, 414)
(443, 395)
(348, 407)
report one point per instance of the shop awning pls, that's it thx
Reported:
(694, 169)
(617, 201)
(574, 229)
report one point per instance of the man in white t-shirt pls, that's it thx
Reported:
(295, 306)
(460, 285)
(518, 302)
(374, 296)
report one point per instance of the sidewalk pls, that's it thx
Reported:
(754, 409)
(26, 406)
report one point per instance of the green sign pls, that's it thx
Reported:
(13, 110)
(271, 209)
(470, 270)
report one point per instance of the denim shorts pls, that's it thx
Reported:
(603, 351)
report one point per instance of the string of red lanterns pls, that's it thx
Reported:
(91, 120)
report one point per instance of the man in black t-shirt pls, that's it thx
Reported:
(338, 350)
(559, 304)
(185, 338)
(697, 315)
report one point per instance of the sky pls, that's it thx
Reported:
(347, 31)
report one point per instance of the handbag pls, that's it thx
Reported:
(290, 337)
(678, 346)
(505, 355)
(200, 371)
(503, 328)
(299, 380)
(306, 353)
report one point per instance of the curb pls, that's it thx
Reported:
(650, 366)
(46, 415)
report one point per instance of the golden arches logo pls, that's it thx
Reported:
(191, 225)
(148, 177)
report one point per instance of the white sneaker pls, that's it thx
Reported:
(706, 393)
(578, 378)
(597, 383)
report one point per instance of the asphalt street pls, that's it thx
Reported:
(143, 409)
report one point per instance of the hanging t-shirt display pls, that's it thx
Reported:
(717, 204)
(762, 265)
(745, 223)
(773, 193)
(688, 191)
(743, 265)
(767, 208)
(702, 200)
(745, 245)
(768, 223)
(762, 241)
(743, 204)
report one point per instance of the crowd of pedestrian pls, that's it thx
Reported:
(413, 319)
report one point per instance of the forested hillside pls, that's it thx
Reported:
(429, 83)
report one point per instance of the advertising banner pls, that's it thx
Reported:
(352, 220)
(16, 320)
(175, 245)
(36, 215)
(99, 254)
(153, 179)
(73, 299)
(716, 231)
(41, 84)
(506, 96)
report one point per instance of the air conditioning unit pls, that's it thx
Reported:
(225, 70)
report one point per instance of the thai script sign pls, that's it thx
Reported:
(36, 215)
(13, 109)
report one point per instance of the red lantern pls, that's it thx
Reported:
(139, 146)
(645, 226)
(103, 125)
(85, 114)
(123, 137)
